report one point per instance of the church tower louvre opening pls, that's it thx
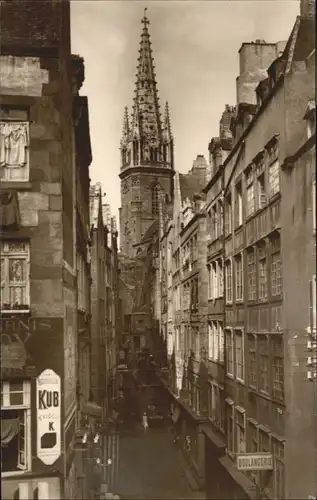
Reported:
(147, 153)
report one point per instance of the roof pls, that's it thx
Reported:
(190, 184)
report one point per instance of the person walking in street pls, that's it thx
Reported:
(145, 422)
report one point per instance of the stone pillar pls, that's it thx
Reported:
(25, 491)
(43, 489)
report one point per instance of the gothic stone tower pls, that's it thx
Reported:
(147, 157)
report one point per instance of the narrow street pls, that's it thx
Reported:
(150, 467)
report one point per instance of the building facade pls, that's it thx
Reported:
(259, 327)
(38, 261)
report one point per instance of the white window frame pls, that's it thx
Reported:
(221, 342)
(6, 256)
(216, 341)
(251, 273)
(239, 203)
(229, 331)
(250, 200)
(220, 277)
(214, 266)
(274, 177)
(239, 285)
(210, 341)
(240, 334)
(240, 411)
(228, 264)
(26, 407)
(25, 170)
(210, 283)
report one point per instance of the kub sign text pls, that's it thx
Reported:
(48, 406)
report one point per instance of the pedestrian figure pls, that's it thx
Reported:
(145, 422)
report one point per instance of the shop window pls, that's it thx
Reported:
(240, 430)
(15, 426)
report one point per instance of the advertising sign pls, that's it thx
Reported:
(255, 461)
(48, 406)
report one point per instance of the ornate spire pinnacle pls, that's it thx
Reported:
(146, 96)
(167, 129)
(125, 128)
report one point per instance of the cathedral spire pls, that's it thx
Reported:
(148, 143)
(146, 95)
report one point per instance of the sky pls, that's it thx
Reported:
(195, 47)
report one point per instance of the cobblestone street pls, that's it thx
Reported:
(150, 467)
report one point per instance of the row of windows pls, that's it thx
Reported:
(265, 370)
(15, 277)
(261, 265)
(190, 253)
(261, 182)
(246, 436)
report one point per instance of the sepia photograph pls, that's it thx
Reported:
(158, 250)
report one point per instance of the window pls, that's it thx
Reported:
(155, 201)
(220, 219)
(197, 343)
(230, 425)
(83, 287)
(228, 215)
(215, 279)
(279, 471)
(214, 223)
(239, 355)
(212, 402)
(240, 427)
(263, 364)
(276, 267)
(210, 341)
(15, 426)
(14, 145)
(15, 282)
(238, 205)
(263, 285)
(229, 352)
(216, 340)
(261, 193)
(210, 284)
(274, 178)
(228, 280)
(252, 368)
(221, 342)
(239, 277)
(220, 277)
(250, 198)
(278, 367)
(251, 274)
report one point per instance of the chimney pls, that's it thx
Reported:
(255, 59)
(307, 9)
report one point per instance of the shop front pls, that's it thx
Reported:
(222, 479)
